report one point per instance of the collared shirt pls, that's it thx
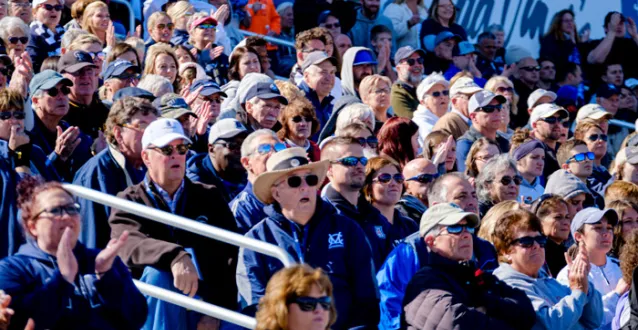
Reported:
(467, 120)
(171, 202)
(530, 191)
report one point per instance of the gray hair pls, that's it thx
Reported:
(156, 84)
(355, 113)
(498, 164)
(438, 191)
(9, 24)
(69, 36)
(495, 28)
(248, 147)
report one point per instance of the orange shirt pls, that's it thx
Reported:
(265, 20)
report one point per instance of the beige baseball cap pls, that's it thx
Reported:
(445, 214)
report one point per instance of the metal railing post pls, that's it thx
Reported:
(622, 123)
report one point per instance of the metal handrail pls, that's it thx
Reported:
(131, 15)
(272, 40)
(622, 123)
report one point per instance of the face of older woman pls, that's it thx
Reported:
(22, 10)
(486, 153)
(437, 100)
(165, 66)
(532, 164)
(204, 34)
(300, 126)
(48, 226)
(524, 258)
(316, 319)
(6, 124)
(386, 193)
(163, 30)
(629, 221)
(379, 97)
(16, 43)
(500, 191)
(248, 63)
(556, 223)
(101, 19)
(50, 18)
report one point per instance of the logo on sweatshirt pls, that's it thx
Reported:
(379, 231)
(335, 240)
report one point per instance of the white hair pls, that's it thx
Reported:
(11, 23)
(69, 36)
(156, 84)
(355, 113)
(248, 147)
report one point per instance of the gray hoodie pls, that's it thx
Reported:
(347, 78)
(565, 184)
(556, 306)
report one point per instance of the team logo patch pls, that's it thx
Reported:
(294, 162)
(335, 240)
(379, 231)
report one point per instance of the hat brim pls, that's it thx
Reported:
(467, 90)
(204, 92)
(599, 115)
(332, 60)
(458, 217)
(264, 182)
(270, 96)
(563, 110)
(164, 140)
(77, 67)
(419, 50)
(54, 82)
(228, 135)
(120, 71)
(175, 113)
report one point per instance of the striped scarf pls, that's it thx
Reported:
(52, 39)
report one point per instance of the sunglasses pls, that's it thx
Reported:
(22, 40)
(424, 178)
(371, 141)
(6, 115)
(528, 241)
(182, 149)
(444, 93)
(386, 177)
(206, 26)
(162, 26)
(556, 120)
(52, 7)
(4, 71)
(491, 108)
(458, 229)
(298, 119)
(129, 76)
(596, 137)
(506, 180)
(58, 211)
(412, 61)
(295, 180)
(53, 92)
(505, 89)
(95, 55)
(351, 161)
(230, 145)
(531, 68)
(265, 148)
(309, 304)
(581, 157)
(330, 26)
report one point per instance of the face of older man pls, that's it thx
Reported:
(321, 77)
(22, 10)
(295, 200)
(129, 136)
(165, 170)
(226, 157)
(55, 106)
(457, 247)
(255, 164)
(419, 174)
(410, 70)
(265, 112)
(84, 82)
(460, 192)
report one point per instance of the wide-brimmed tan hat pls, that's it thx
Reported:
(283, 163)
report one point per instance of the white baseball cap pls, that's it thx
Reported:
(464, 85)
(163, 131)
(593, 111)
(429, 82)
(36, 3)
(546, 110)
(224, 129)
(483, 98)
(537, 94)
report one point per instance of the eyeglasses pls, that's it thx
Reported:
(531, 68)
(206, 26)
(351, 161)
(6, 115)
(21, 4)
(182, 149)
(458, 229)
(53, 92)
(163, 26)
(309, 304)
(382, 91)
(491, 108)
(413, 61)
(49, 7)
(555, 120)
(95, 55)
(528, 241)
(581, 157)
(297, 119)
(444, 93)
(424, 178)
(137, 127)
(506, 180)
(334, 25)
(596, 137)
(371, 141)
(265, 148)
(58, 211)
(295, 180)
(386, 177)
(22, 40)
(230, 145)
(505, 89)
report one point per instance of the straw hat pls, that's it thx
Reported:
(280, 165)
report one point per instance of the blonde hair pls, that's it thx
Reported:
(177, 10)
(368, 84)
(151, 56)
(490, 85)
(89, 11)
(621, 190)
(83, 40)
(154, 18)
(489, 221)
(138, 44)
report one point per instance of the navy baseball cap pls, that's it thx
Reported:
(266, 91)
(446, 35)
(463, 48)
(210, 88)
(116, 68)
(364, 57)
(134, 92)
(607, 90)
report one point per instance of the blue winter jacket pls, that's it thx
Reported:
(199, 168)
(247, 209)
(323, 108)
(102, 173)
(401, 265)
(39, 291)
(330, 241)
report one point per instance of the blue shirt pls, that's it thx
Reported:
(247, 209)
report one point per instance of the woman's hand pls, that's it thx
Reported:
(67, 263)
(221, 14)
(104, 260)
(110, 36)
(189, 96)
(17, 138)
(204, 116)
(442, 151)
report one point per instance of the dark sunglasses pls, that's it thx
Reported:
(581, 157)
(52, 7)
(95, 55)
(506, 180)
(58, 211)
(528, 241)
(444, 93)
(53, 92)
(229, 144)
(596, 137)
(129, 76)
(162, 26)
(458, 229)
(334, 25)
(412, 61)
(182, 149)
(531, 68)
(265, 148)
(309, 304)
(556, 120)
(424, 178)
(491, 108)
(206, 26)
(371, 141)
(297, 119)
(22, 40)
(386, 177)
(4, 71)
(295, 180)
(6, 115)
(351, 161)
(505, 89)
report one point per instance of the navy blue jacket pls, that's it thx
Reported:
(102, 173)
(216, 68)
(247, 209)
(330, 241)
(180, 37)
(323, 109)
(200, 168)
(39, 291)
(43, 43)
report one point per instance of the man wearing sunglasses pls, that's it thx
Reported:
(451, 290)
(419, 174)
(119, 74)
(169, 255)
(409, 66)
(525, 82)
(221, 164)
(457, 121)
(485, 113)
(313, 232)
(548, 122)
(576, 159)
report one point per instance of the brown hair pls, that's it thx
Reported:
(287, 284)
(153, 52)
(509, 224)
(433, 140)
(235, 57)
(629, 257)
(620, 207)
(583, 126)
(432, 13)
(520, 136)
(28, 190)
(555, 28)
(298, 107)
(304, 37)
(373, 166)
(11, 100)
(395, 139)
(123, 111)
(546, 206)
(50, 63)
(78, 7)
(621, 190)
(118, 50)
(565, 150)
(470, 162)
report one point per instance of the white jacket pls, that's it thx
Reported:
(400, 15)
(426, 120)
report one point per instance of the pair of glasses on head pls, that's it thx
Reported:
(413, 61)
(309, 304)
(296, 180)
(596, 137)
(424, 178)
(441, 93)
(371, 141)
(206, 26)
(49, 7)
(163, 26)
(556, 120)
(458, 229)
(6, 115)
(181, 149)
(528, 241)
(581, 157)
(232, 145)
(505, 89)
(333, 25)
(491, 108)
(298, 119)
(58, 211)
(531, 68)
(351, 161)
(387, 177)
(53, 92)
(507, 180)
(15, 40)
(266, 148)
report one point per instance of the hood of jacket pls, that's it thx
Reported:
(565, 184)
(347, 78)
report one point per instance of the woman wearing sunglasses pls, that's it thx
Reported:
(15, 36)
(501, 85)
(46, 31)
(160, 28)
(627, 223)
(299, 122)
(297, 298)
(596, 140)
(383, 189)
(519, 242)
(498, 181)
(202, 36)
(553, 212)
(57, 281)
(434, 97)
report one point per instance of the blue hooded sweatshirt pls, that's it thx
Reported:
(39, 291)
(330, 241)
(247, 209)
(199, 168)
